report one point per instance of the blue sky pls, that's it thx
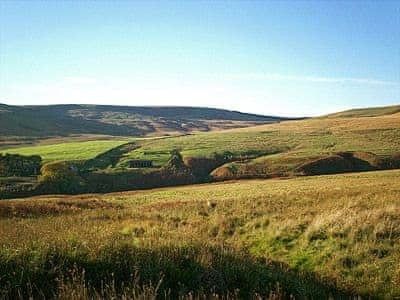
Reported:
(279, 58)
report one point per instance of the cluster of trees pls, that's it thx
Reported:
(74, 177)
(61, 177)
(15, 190)
(19, 165)
(71, 178)
(203, 166)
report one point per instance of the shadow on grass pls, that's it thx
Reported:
(175, 271)
(40, 208)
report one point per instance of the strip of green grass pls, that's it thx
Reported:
(68, 151)
(296, 142)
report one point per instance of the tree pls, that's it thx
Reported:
(19, 165)
(61, 177)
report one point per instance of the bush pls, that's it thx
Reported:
(175, 172)
(201, 167)
(327, 165)
(61, 177)
(19, 165)
(391, 162)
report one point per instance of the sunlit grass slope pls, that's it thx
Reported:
(367, 112)
(68, 151)
(267, 150)
(292, 140)
(345, 229)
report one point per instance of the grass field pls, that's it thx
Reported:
(68, 151)
(309, 237)
(335, 234)
(293, 141)
(367, 112)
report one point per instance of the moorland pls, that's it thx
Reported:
(351, 141)
(303, 208)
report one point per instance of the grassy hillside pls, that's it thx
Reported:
(261, 151)
(65, 120)
(367, 112)
(280, 148)
(311, 237)
(334, 235)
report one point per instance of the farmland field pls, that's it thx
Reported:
(318, 237)
(67, 151)
(378, 134)
(335, 235)
(293, 140)
(280, 148)
(199, 150)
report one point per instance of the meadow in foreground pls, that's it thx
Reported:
(311, 236)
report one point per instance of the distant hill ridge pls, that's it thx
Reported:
(63, 120)
(366, 112)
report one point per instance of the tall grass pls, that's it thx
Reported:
(315, 236)
(176, 271)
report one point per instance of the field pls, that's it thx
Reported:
(322, 235)
(292, 235)
(199, 150)
(290, 141)
(325, 145)
(279, 148)
(367, 112)
(69, 150)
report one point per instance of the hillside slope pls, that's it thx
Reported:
(345, 229)
(286, 149)
(64, 120)
(271, 148)
(379, 135)
(366, 112)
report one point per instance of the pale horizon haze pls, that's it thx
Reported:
(265, 57)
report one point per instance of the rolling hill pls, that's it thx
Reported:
(316, 237)
(65, 120)
(324, 145)
(366, 112)
(266, 149)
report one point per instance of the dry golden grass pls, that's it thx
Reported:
(51, 206)
(335, 125)
(345, 229)
(281, 147)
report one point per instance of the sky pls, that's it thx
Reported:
(275, 58)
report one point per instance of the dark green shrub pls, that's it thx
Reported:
(19, 165)
(60, 177)
(201, 167)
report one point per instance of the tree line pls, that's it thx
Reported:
(19, 165)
